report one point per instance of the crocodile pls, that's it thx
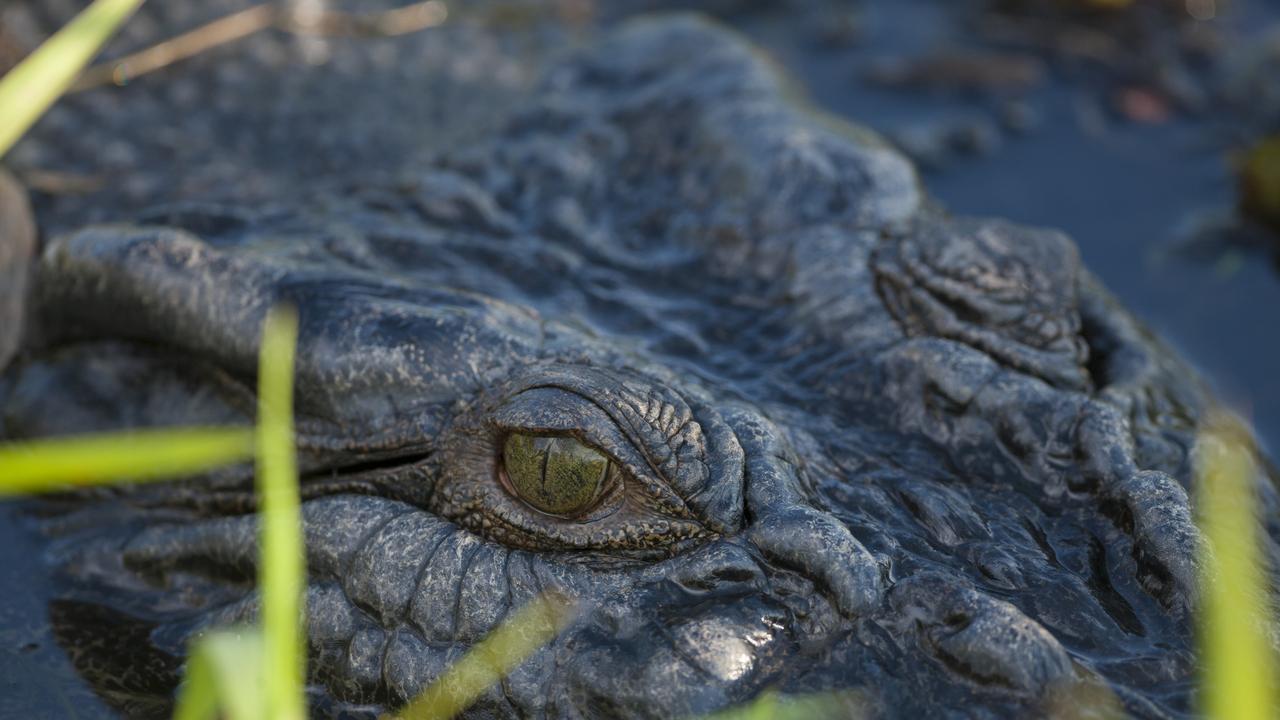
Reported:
(671, 343)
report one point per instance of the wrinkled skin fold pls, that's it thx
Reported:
(843, 441)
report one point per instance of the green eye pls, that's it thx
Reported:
(557, 475)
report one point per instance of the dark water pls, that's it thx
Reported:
(36, 679)
(1121, 189)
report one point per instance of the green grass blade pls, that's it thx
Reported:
(845, 705)
(281, 570)
(1238, 662)
(224, 678)
(1082, 696)
(37, 83)
(491, 659)
(764, 707)
(65, 463)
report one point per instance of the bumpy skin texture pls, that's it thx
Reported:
(864, 446)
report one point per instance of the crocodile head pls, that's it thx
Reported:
(673, 346)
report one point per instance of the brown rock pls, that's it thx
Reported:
(17, 244)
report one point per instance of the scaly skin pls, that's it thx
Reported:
(859, 445)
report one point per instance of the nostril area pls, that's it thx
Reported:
(816, 544)
(987, 639)
(734, 574)
(716, 580)
(790, 531)
(721, 568)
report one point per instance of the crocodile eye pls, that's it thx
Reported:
(584, 460)
(555, 475)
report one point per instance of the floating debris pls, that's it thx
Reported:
(1143, 105)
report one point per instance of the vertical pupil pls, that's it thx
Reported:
(556, 475)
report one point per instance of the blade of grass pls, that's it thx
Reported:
(224, 678)
(770, 705)
(1239, 669)
(280, 574)
(37, 82)
(224, 30)
(101, 459)
(244, 23)
(1082, 696)
(764, 707)
(491, 659)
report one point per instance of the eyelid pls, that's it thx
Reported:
(679, 466)
(682, 440)
(556, 411)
